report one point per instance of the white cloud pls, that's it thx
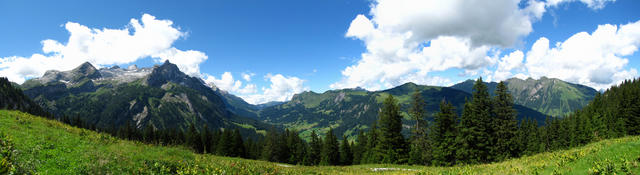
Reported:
(229, 84)
(410, 38)
(595, 59)
(147, 37)
(281, 89)
(507, 63)
(594, 4)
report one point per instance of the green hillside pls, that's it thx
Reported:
(30, 144)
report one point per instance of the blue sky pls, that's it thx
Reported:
(286, 47)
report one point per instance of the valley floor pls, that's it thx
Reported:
(33, 144)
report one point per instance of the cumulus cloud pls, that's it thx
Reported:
(229, 84)
(595, 59)
(282, 88)
(507, 63)
(407, 39)
(410, 38)
(147, 37)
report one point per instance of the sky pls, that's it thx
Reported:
(267, 51)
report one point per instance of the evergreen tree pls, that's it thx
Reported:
(315, 149)
(443, 135)
(193, 138)
(237, 144)
(346, 156)
(475, 127)
(420, 151)
(392, 144)
(330, 150)
(372, 154)
(149, 135)
(206, 137)
(272, 147)
(505, 124)
(225, 144)
(359, 148)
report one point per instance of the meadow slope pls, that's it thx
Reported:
(34, 144)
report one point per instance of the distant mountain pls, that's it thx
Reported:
(550, 96)
(161, 96)
(349, 110)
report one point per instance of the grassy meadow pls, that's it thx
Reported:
(31, 144)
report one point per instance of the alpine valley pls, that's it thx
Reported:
(163, 97)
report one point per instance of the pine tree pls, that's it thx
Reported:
(237, 144)
(346, 156)
(315, 149)
(225, 144)
(475, 130)
(272, 149)
(392, 143)
(420, 152)
(330, 149)
(193, 138)
(205, 137)
(505, 124)
(359, 148)
(443, 135)
(372, 154)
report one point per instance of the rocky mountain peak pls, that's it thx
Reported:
(85, 70)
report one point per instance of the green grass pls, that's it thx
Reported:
(50, 147)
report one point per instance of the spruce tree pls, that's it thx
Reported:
(475, 130)
(205, 137)
(420, 151)
(225, 144)
(505, 124)
(392, 144)
(359, 147)
(237, 144)
(330, 149)
(315, 149)
(346, 156)
(443, 135)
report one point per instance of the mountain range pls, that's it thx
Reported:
(164, 97)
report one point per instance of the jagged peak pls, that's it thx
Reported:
(86, 69)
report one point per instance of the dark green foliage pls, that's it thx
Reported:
(330, 149)
(392, 143)
(273, 147)
(372, 154)
(206, 138)
(297, 148)
(315, 151)
(443, 135)
(346, 155)
(475, 130)
(505, 125)
(419, 149)
(237, 145)
(359, 148)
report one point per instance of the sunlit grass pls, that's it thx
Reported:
(50, 147)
